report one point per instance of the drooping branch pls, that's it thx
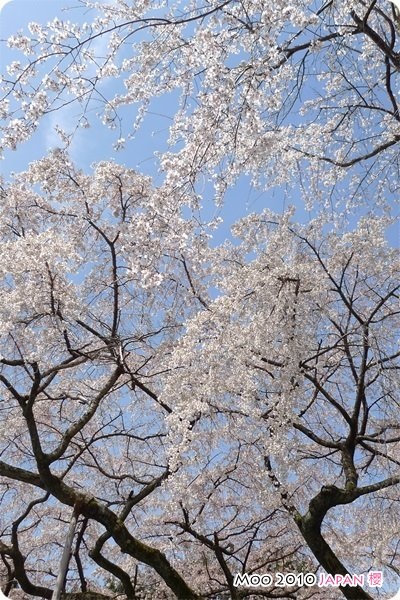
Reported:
(96, 555)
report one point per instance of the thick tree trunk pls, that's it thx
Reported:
(310, 527)
(84, 596)
(328, 559)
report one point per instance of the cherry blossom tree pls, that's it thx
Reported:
(293, 371)
(72, 371)
(84, 425)
(274, 90)
(202, 408)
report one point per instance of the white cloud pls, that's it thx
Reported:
(3, 3)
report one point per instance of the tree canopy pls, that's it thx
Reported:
(205, 407)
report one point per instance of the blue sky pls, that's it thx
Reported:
(89, 145)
